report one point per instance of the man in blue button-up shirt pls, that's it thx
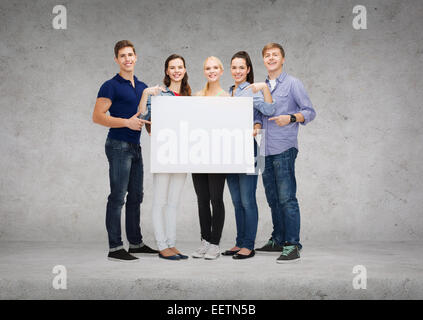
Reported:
(120, 96)
(292, 107)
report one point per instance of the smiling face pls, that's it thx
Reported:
(239, 70)
(212, 70)
(273, 60)
(176, 70)
(126, 59)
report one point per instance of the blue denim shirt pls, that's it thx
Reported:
(260, 106)
(290, 97)
(168, 92)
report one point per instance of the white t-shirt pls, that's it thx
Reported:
(272, 83)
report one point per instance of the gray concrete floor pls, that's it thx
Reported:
(394, 271)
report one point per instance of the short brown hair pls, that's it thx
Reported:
(123, 44)
(272, 45)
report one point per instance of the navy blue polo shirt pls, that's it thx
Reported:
(125, 100)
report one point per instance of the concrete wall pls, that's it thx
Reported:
(359, 166)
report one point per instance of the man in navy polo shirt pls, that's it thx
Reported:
(121, 96)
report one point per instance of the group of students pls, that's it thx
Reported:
(280, 105)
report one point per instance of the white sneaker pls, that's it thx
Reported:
(200, 252)
(212, 253)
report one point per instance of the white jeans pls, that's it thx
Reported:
(167, 190)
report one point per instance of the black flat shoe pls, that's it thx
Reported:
(229, 252)
(243, 256)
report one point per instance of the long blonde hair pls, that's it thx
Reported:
(206, 87)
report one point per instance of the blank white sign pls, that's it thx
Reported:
(202, 134)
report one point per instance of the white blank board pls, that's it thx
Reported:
(202, 134)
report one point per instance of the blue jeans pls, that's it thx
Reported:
(280, 187)
(126, 176)
(243, 192)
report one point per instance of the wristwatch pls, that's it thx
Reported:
(293, 118)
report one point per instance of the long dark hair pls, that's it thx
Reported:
(185, 88)
(244, 55)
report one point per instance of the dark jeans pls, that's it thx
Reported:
(209, 188)
(126, 177)
(281, 187)
(243, 193)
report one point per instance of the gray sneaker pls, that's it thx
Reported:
(212, 253)
(201, 251)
